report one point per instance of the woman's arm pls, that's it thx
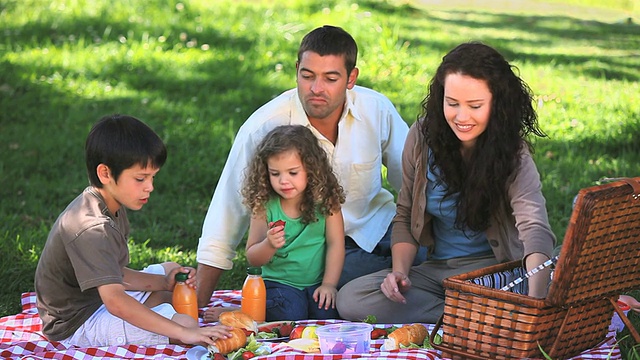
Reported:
(538, 283)
(532, 222)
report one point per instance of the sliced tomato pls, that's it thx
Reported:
(248, 332)
(378, 333)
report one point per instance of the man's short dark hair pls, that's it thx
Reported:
(331, 40)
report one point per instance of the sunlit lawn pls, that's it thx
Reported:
(195, 70)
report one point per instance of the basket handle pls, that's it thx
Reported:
(636, 190)
(443, 348)
(625, 320)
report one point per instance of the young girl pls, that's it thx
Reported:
(291, 180)
(470, 191)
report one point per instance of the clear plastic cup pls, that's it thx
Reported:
(345, 338)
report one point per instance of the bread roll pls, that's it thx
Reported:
(224, 346)
(238, 319)
(415, 333)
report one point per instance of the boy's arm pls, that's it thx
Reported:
(119, 304)
(335, 249)
(140, 281)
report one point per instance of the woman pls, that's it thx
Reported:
(470, 192)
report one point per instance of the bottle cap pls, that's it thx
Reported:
(254, 270)
(182, 277)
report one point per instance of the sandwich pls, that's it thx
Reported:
(224, 346)
(238, 319)
(405, 336)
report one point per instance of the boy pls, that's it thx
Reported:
(86, 295)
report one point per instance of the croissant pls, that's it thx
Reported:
(224, 346)
(415, 333)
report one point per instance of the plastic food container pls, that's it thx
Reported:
(345, 338)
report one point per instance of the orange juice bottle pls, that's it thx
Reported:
(254, 295)
(185, 300)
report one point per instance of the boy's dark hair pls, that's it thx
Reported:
(120, 142)
(331, 40)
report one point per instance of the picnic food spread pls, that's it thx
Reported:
(242, 343)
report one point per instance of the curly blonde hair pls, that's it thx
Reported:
(323, 194)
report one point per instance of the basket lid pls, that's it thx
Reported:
(599, 256)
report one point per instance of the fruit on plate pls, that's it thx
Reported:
(277, 329)
(285, 329)
(304, 332)
(306, 345)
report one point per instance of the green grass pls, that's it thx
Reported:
(195, 70)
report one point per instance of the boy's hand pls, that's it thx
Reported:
(205, 335)
(170, 278)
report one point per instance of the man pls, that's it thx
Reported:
(358, 128)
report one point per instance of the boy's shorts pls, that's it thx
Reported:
(104, 329)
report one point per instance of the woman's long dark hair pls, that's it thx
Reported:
(482, 180)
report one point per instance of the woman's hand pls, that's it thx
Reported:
(631, 301)
(394, 285)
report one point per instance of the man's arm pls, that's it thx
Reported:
(397, 130)
(207, 278)
(226, 221)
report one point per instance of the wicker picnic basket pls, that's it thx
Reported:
(600, 259)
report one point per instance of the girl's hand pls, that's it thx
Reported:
(275, 236)
(394, 285)
(325, 296)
